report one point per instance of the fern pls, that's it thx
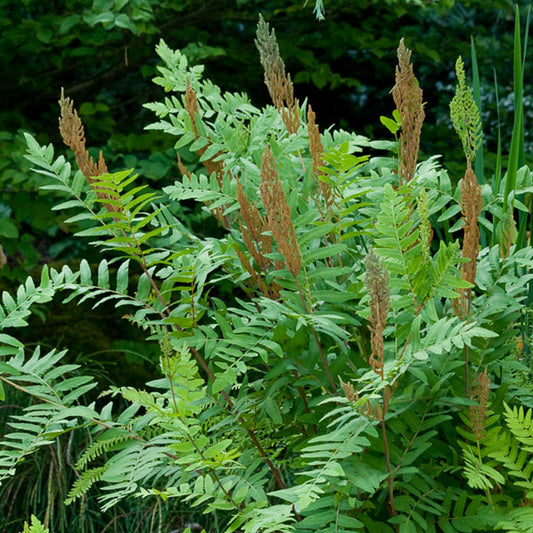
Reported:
(465, 114)
(514, 447)
(274, 408)
(518, 521)
(34, 527)
(398, 242)
(41, 377)
(84, 483)
(107, 441)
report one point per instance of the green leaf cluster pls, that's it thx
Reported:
(323, 400)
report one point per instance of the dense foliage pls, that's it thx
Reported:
(342, 331)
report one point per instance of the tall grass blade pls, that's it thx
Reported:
(516, 152)
(498, 169)
(523, 217)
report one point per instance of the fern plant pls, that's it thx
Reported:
(315, 361)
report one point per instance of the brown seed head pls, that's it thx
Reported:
(408, 99)
(279, 213)
(191, 105)
(317, 149)
(348, 390)
(279, 84)
(253, 231)
(73, 134)
(478, 413)
(471, 204)
(377, 283)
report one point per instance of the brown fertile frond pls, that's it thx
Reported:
(257, 279)
(279, 213)
(253, 234)
(212, 165)
(183, 169)
(317, 149)
(471, 204)
(377, 283)
(3, 258)
(348, 390)
(279, 83)
(407, 96)
(368, 408)
(191, 105)
(73, 134)
(478, 412)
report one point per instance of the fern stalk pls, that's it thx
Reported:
(325, 364)
(390, 477)
(377, 283)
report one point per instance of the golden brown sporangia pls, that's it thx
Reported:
(407, 96)
(73, 134)
(317, 149)
(377, 283)
(279, 213)
(478, 412)
(471, 204)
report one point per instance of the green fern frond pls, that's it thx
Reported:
(76, 187)
(15, 310)
(464, 511)
(465, 114)
(447, 280)
(398, 241)
(448, 334)
(518, 520)
(108, 441)
(513, 447)
(84, 483)
(205, 189)
(520, 424)
(43, 377)
(35, 527)
(480, 475)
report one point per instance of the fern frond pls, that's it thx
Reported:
(74, 187)
(84, 483)
(480, 475)
(398, 241)
(520, 424)
(15, 310)
(448, 334)
(464, 511)
(517, 521)
(465, 114)
(35, 527)
(106, 442)
(42, 377)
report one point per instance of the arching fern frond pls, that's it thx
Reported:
(514, 447)
(84, 483)
(43, 377)
(398, 242)
(106, 442)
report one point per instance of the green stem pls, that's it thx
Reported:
(317, 340)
